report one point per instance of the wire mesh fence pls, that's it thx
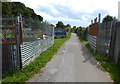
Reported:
(23, 40)
(36, 30)
(38, 36)
(8, 33)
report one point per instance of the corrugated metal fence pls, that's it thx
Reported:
(107, 42)
(30, 50)
(15, 54)
(93, 42)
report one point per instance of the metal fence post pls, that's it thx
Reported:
(0, 59)
(53, 33)
(19, 61)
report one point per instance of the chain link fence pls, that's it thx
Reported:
(38, 36)
(34, 30)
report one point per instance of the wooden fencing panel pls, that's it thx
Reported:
(104, 38)
(116, 51)
(6, 58)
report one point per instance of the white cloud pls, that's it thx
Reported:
(49, 17)
(76, 6)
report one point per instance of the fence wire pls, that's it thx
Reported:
(34, 30)
(37, 37)
(8, 33)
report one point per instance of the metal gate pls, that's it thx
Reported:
(11, 38)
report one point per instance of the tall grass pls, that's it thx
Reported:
(36, 65)
(109, 65)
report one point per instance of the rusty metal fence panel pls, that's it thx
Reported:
(18, 51)
(9, 41)
(8, 35)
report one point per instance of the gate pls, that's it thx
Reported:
(17, 54)
(11, 38)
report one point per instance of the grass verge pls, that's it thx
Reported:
(109, 65)
(36, 65)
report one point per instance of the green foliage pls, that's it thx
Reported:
(68, 25)
(6, 9)
(81, 38)
(68, 28)
(13, 9)
(35, 66)
(108, 18)
(112, 68)
(114, 71)
(60, 24)
(74, 27)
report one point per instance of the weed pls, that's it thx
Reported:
(35, 66)
(109, 65)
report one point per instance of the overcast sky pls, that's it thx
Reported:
(74, 12)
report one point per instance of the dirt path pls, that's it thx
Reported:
(72, 63)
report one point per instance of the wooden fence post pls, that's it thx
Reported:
(112, 42)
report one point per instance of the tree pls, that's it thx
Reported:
(74, 27)
(13, 9)
(108, 18)
(6, 10)
(68, 25)
(60, 24)
(40, 18)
